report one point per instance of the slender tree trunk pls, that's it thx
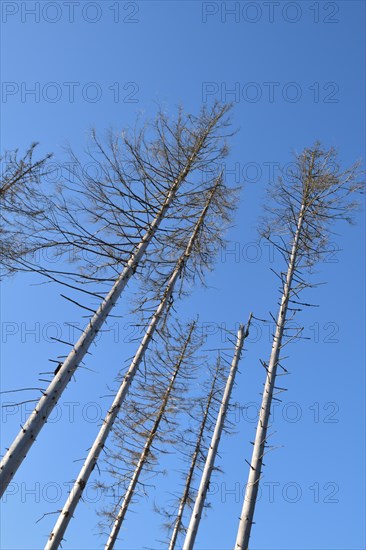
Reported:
(192, 467)
(146, 450)
(212, 452)
(246, 518)
(27, 436)
(60, 527)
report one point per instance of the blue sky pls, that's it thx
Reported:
(295, 71)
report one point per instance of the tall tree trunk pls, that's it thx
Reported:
(246, 518)
(212, 452)
(60, 527)
(316, 193)
(192, 467)
(146, 450)
(27, 436)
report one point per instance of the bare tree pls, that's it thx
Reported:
(21, 200)
(159, 168)
(317, 194)
(212, 451)
(196, 457)
(165, 301)
(153, 434)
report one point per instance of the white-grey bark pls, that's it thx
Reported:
(35, 422)
(146, 450)
(212, 452)
(315, 194)
(57, 533)
(198, 448)
(246, 518)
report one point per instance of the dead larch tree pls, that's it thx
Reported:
(302, 209)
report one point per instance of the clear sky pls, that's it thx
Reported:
(295, 71)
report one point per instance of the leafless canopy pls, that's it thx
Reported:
(318, 186)
(107, 197)
(22, 200)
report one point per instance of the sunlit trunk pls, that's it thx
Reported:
(246, 518)
(212, 451)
